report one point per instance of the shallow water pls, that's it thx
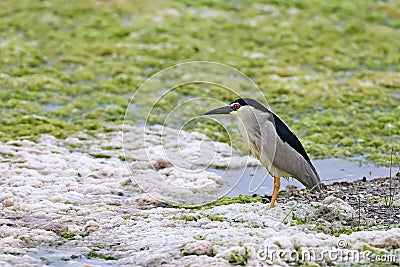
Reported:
(256, 180)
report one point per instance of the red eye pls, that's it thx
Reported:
(236, 106)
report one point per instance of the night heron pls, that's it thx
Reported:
(272, 143)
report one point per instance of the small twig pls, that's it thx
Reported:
(391, 189)
(290, 212)
(359, 212)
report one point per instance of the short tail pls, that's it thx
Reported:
(312, 180)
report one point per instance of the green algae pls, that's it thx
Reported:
(185, 218)
(45, 261)
(346, 231)
(95, 254)
(67, 235)
(238, 256)
(241, 199)
(330, 69)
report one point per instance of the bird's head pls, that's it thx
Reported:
(237, 106)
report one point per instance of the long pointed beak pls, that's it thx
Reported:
(222, 110)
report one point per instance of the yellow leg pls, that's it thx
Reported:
(277, 185)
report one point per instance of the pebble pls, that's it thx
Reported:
(199, 247)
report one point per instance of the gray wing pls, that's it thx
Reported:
(290, 161)
(271, 141)
(292, 156)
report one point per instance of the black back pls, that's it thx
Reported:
(282, 129)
